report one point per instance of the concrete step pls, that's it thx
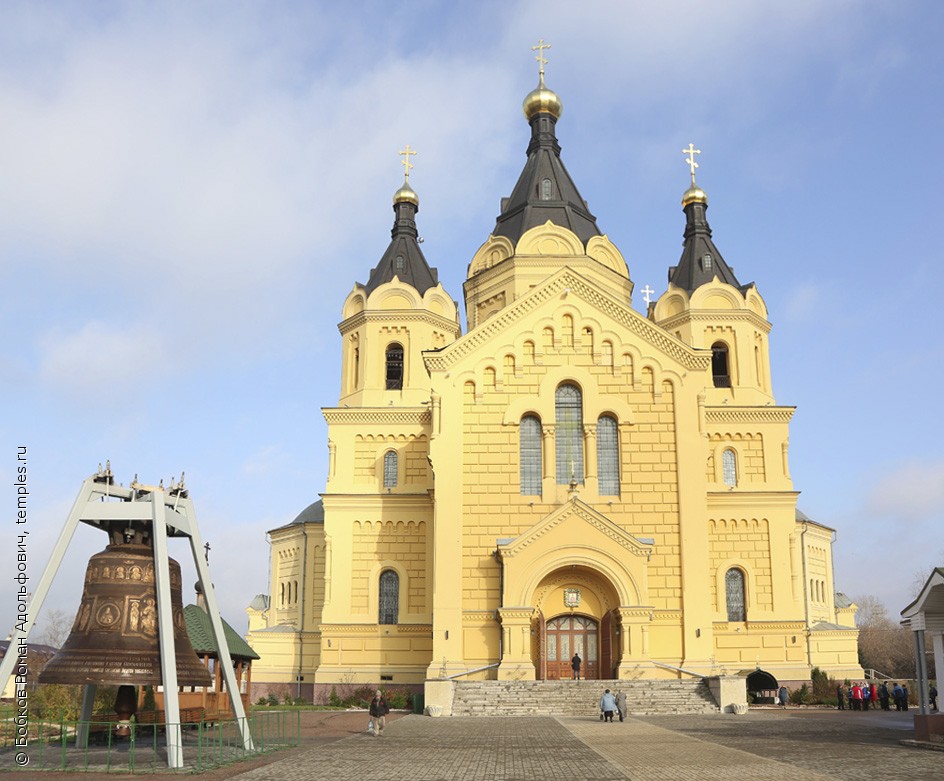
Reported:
(573, 698)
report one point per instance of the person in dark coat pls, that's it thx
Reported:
(932, 696)
(378, 713)
(841, 697)
(575, 666)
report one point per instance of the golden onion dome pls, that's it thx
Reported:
(694, 194)
(542, 99)
(406, 194)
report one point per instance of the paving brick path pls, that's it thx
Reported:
(799, 746)
(792, 745)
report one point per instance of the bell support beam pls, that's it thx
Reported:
(216, 623)
(165, 622)
(21, 630)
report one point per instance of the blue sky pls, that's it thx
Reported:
(189, 190)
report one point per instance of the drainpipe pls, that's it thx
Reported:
(501, 602)
(301, 631)
(806, 595)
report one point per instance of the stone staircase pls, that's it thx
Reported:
(579, 698)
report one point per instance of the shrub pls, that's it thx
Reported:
(273, 698)
(801, 696)
(333, 700)
(262, 701)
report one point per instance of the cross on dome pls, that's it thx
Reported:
(691, 152)
(405, 162)
(542, 60)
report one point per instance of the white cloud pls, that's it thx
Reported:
(914, 492)
(98, 361)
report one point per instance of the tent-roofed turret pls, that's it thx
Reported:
(701, 261)
(544, 190)
(404, 259)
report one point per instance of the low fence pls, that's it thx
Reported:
(52, 745)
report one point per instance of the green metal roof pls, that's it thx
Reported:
(200, 632)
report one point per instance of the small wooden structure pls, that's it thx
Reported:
(214, 700)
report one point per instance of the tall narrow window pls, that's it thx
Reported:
(734, 594)
(608, 456)
(719, 365)
(729, 472)
(390, 469)
(389, 597)
(546, 190)
(395, 367)
(569, 434)
(531, 461)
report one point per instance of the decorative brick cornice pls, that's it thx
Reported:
(479, 616)
(717, 316)
(734, 415)
(399, 316)
(334, 630)
(384, 416)
(578, 286)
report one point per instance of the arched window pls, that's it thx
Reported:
(608, 456)
(734, 594)
(729, 471)
(546, 190)
(569, 434)
(390, 469)
(531, 460)
(395, 367)
(719, 365)
(389, 597)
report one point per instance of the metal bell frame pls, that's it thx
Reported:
(171, 514)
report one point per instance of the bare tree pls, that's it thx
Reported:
(53, 628)
(884, 645)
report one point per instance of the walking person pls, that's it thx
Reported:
(841, 696)
(782, 695)
(932, 696)
(904, 697)
(621, 704)
(608, 705)
(378, 713)
(896, 694)
(856, 697)
(866, 695)
(575, 665)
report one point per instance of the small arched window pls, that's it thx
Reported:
(729, 467)
(395, 367)
(568, 405)
(719, 365)
(390, 469)
(389, 597)
(608, 456)
(734, 594)
(531, 456)
(546, 190)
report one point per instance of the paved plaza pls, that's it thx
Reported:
(794, 745)
(800, 745)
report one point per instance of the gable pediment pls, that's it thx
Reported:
(575, 524)
(577, 290)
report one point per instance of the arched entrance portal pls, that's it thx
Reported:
(567, 635)
(575, 610)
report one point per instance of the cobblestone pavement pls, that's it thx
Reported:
(800, 746)
(842, 744)
(793, 745)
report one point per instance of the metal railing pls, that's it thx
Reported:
(42, 744)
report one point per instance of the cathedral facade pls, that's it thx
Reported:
(566, 476)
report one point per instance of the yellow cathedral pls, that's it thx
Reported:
(567, 476)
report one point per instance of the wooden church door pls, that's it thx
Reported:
(567, 635)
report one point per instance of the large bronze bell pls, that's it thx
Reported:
(114, 639)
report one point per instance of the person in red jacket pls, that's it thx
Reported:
(856, 697)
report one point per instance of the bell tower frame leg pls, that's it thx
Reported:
(85, 715)
(165, 623)
(21, 630)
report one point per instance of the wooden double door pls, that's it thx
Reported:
(563, 637)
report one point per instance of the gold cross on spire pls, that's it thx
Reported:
(542, 60)
(407, 165)
(691, 152)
